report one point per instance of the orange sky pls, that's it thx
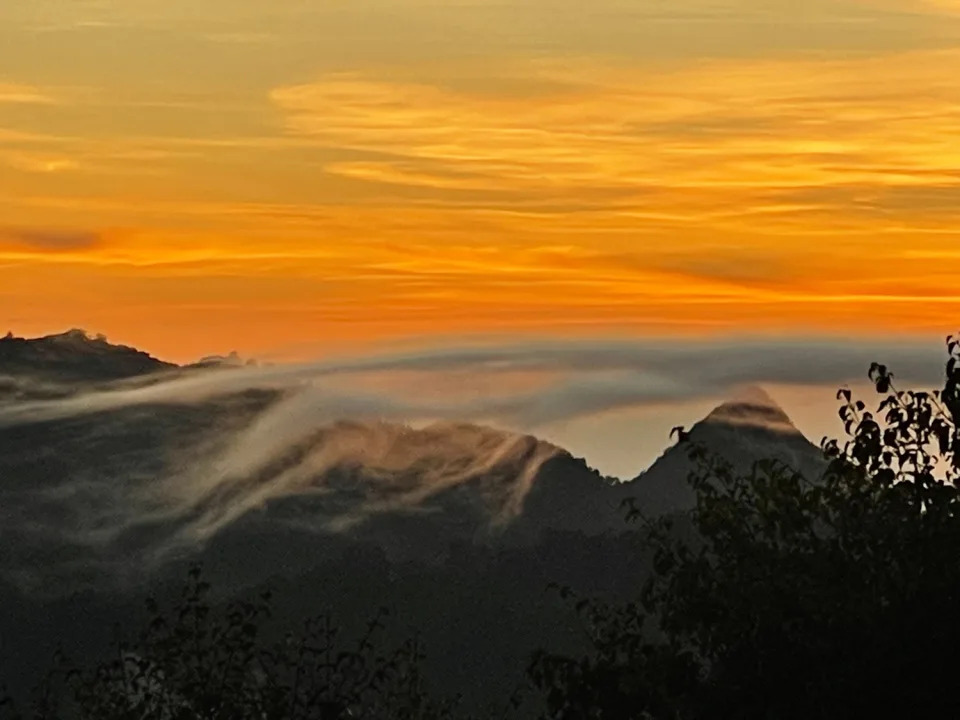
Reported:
(278, 177)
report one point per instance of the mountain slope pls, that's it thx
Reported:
(743, 430)
(119, 493)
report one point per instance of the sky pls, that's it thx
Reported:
(290, 177)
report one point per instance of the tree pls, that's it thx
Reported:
(194, 663)
(828, 597)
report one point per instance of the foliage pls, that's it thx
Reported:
(197, 664)
(827, 597)
(625, 673)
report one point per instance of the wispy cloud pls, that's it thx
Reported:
(708, 135)
(34, 162)
(242, 38)
(24, 95)
(946, 7)
(49, 240)
(577, 372)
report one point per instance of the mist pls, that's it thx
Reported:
(159, 465)
(577, 379)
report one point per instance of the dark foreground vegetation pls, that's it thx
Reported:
(779, 596)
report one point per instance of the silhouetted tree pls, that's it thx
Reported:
(829, 597)
(195, 663)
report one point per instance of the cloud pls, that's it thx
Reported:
(400, 468)
(780, 156)
(588, 377)
(716, 134)
(241, 38)
(49, 240)
(737, 264)
(24, 95)
(942, 8)
(39, 162)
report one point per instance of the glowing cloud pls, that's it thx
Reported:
(392, 168)
(756, 133)
(24, 95)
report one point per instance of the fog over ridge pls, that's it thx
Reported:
(598, 376)
(162, 464)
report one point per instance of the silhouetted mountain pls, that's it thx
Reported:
(746, 429)
(111, 495)
(73, 356)
(459, 527)
(231, 360)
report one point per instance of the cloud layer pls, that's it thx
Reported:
(724, 139)
(577, 378)
(48, 240)
(146, 469)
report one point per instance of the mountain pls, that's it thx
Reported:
(73, 356)
(751, 426)
(117, 494)
(420, 492)
(413, 493)
(242, 480)
(745, 429)
(457, 527)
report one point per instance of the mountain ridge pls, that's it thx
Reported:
(412, 491)
(73, 356)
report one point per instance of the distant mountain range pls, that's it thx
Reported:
(110, 501)
(74, 356)
(87, 492)
(59, 364)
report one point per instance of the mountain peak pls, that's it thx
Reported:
(75, 336)
(753, 407)
(750, 426)
(73, 355)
